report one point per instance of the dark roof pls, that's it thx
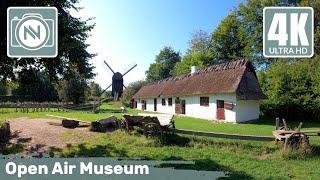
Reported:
(232, 77)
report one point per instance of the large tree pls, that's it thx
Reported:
(227, 43)
(164, 64)
(35, 86)
(72, 34)
(73, 89)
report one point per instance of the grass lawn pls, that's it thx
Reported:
(242, 159)
(263, 127)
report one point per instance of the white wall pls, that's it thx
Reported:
(194, 109)
(166, 108)
(247, 110)
(243, 110)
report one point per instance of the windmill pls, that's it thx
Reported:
(117, 82)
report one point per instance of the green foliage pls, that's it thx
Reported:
(200, 59)
(199, 42)
(293, 89)
(198, 53)
(73, 89)
(164, 64)
(130, 91)
(35, 86)
(3, 89)
(72, 53)
(227, 43)
(94, 91)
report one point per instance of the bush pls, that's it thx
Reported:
(293, 90)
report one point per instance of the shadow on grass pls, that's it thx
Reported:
(315, 151)
(174, 140)
(204, 165)
(81, 150)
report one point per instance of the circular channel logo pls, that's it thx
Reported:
(32, 32)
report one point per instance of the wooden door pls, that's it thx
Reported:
(177, 106)
(155, 104)
(183, 106)
(135, 104)
(220, 110)
(144, 105)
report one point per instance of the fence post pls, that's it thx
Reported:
(277, 123)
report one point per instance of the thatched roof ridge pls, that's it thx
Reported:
(231, 77)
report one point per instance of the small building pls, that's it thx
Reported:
(229, 92)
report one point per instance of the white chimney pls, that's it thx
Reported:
(194, 69)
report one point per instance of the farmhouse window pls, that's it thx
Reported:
(220, 104)
(204, 101)
(163, 102)
(170, 101)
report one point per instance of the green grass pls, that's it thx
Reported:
(106, 111)
(243, 159)
(263, 127)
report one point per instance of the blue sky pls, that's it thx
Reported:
(134, 31)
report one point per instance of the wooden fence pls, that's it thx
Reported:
(29, 107)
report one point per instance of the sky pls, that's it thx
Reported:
(134, 31)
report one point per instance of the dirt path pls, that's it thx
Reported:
(38, 135)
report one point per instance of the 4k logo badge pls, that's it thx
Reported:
(288, 32)
(32, 32)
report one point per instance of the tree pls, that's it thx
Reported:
(199, 42)
(95, 90)
(164, 65)
(72, 34)
(73, 89)
(130, 91)
(227, 42)
(3, 89)
(35, 86)
(292, 88)
(198, 53)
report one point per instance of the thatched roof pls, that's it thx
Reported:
(232, 77)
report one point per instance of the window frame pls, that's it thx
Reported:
(204, 103)
(169, 101)
(163, 101)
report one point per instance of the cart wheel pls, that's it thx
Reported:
(297, 140)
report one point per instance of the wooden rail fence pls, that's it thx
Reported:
(224, 135)
(28, 107)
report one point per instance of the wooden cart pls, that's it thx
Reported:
(292, 138)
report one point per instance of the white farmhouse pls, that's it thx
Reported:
(227, 92)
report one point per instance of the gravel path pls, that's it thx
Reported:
(41, 134)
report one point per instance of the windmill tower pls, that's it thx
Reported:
(117, 82)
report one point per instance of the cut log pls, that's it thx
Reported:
(5, 132)
(103, 125)
(67, 123)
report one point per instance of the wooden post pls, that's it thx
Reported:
(285, 124)
(277, 123)
(299, 127)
